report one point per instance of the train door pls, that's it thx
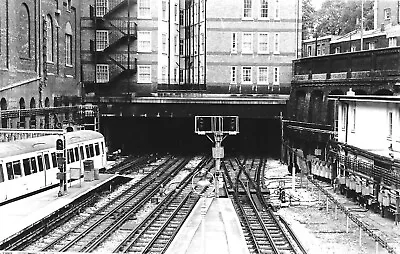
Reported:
(47, 178)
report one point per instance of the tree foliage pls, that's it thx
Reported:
(308, 18)
(337, 17)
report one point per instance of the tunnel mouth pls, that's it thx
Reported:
(143, 135)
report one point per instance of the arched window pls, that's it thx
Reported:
(32, 120)
(3, 106)
(68, 44)
(21, 118)
(24, 35)
(50, 39)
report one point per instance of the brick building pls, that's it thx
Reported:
(250, 45)
(39, 59)
(215, 47)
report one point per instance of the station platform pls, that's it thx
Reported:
(23, 213)
(223, 233)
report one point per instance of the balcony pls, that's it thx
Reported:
(379, 64)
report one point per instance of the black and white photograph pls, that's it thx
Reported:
(200, 126)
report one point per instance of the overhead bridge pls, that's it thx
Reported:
(188, 105)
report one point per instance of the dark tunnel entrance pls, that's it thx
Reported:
(176, 135)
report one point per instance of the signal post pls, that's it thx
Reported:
(62, 164)
(216, 129)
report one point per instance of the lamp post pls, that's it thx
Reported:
(202, 183)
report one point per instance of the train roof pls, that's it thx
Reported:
(17, 147)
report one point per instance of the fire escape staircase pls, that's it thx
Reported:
(121, 32)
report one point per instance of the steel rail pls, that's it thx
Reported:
(142, 182)
(106, 233)
(106, 216)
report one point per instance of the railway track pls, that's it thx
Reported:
(83, 235)
(264, 233)
(156, 232)
(132, 164)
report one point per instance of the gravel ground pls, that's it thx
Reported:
(321, 231)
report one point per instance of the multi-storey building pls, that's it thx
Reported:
(250, 45)
(129, 46)
(136, 47)
(39, 60)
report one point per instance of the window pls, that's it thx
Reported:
(33, 164)
(247, 43)
(337, 50)
(392, 42)
(68, 44)
(164, 74)
(27, 166)
(144, 9)
(263, 43)
(234, 43)
(164, 43)
(246, 75)
(247, 9)
(353, 48)
(386, 13)
(354, 119)
(54, 159)
(102, 147)
(202, 43)
(102, 73)
(91, 150)
(1, 174)
(345, 108)
(371, 45)
(97, 148)
(10, 172)
(46, 161)
(49, 45)
(176, 13)
(82, 153)
(175, 75)
(144, 41)
(233, 75)
(309, 50)
(40, 162)
(101, 40)
(101, 7)
(76, 154)
(264, 9)
(318, 50)
(262, 75)
(87, 151)
(181, 47)
(17, 168)
(144, 74)
(164, 10)
(276, 76)
(390, 124)
(276, 44)
(277, 9)
(24, 32)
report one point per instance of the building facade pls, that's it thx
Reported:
(216, 47)
(39, 60)
(250, 45)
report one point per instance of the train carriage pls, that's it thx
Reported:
(31, 164)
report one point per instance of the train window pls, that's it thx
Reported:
(76, 154)
(1, 174)
(46, 161)
(91, 150)
(10, 172)
(82, 153)
(33, 164)
(97, 148)
(70, 156)
(87, 151)
(54, 159)
(27, 166)
(40, 162)
(17, 168)
(102, 147)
